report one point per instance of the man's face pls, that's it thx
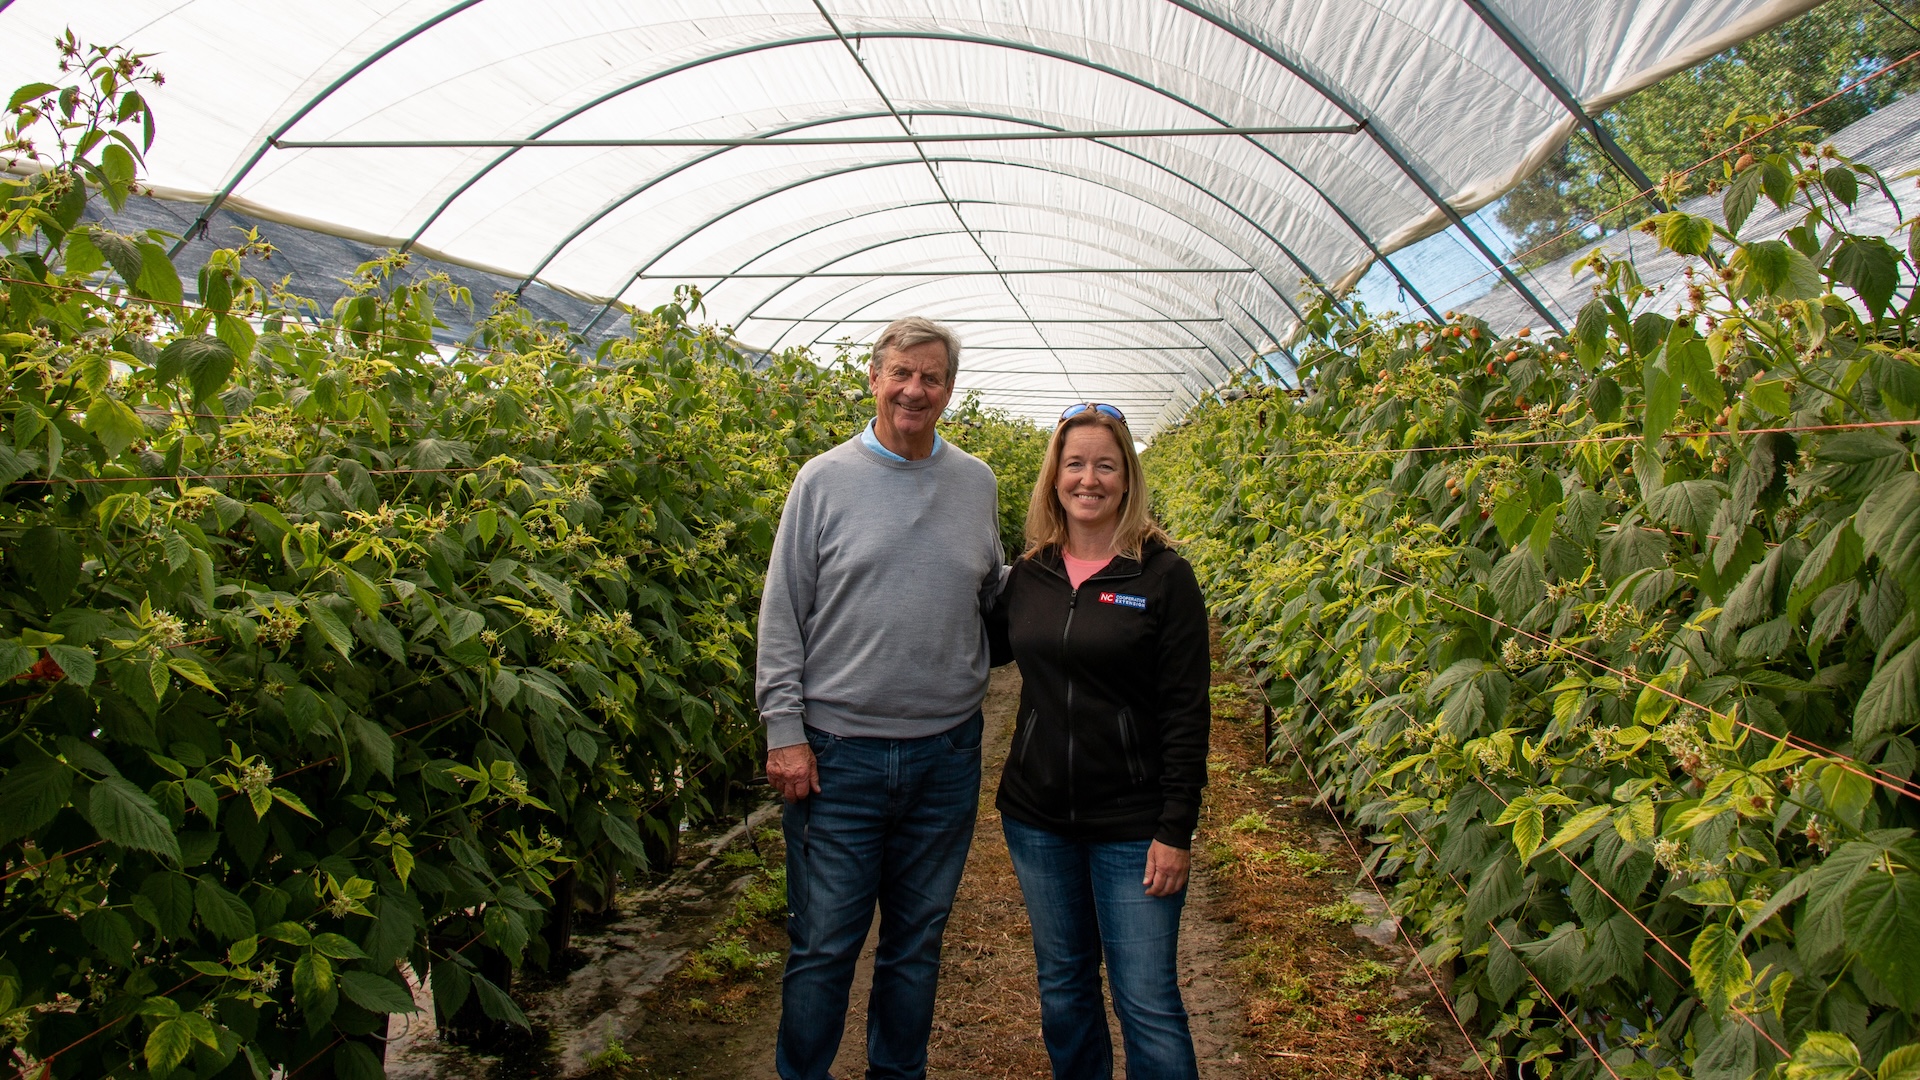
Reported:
(910, 391)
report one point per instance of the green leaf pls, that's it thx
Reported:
(1731, 1054)
(1684, 233)
(312, 979)
(1843, 184)
(1615, 950)
(1776, 180)
(361, 590)
(337, 947)
(376, 994)
(1901, 1064)
(76, 662)
(157, 280)
(1769, 396)
(168, 903)
(1590, 334)
(1518, 582)
(451, 985)
(1662, 398)
(237, 333)
(1882, 920)
(1890, 703)
(222, 913)
(110, 932)
(52, 564)
(112, 422)
(1692, 364)
(1604, 398)
(1774, 269)
(1871, 266)
(496, 1004)
(1741, 197)
(31, 795)
(1720, 969)
(168, 1045)
(1688, 506)
(1577, 825)
(125, 815)
(331, 629)
(1889, 524)
(28, 93)
(374, 744)
(1837, 558)
(1824, 1055)
(83, 256)
(116, 164)
(462, 624)
(622, 834)
(356, 1061)
(290, 932)
(206, 361)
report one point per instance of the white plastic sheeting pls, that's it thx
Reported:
(1133, 269)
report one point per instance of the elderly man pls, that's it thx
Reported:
(872, 668)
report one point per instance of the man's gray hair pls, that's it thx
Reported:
(917, 330)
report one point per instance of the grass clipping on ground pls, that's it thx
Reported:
(1321, 999)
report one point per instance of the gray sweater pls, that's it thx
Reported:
(870, 623)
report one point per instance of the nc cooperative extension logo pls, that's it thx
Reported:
(1138, 603)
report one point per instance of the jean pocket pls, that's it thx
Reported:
(821, 743)
(965, 739)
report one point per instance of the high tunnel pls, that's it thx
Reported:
(1114, 200)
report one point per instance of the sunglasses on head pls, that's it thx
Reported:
(1072, 411)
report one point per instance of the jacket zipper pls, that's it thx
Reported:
(1073, 598)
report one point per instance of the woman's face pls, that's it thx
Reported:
(1093, 476)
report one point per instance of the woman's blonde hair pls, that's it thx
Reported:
(1047, 520)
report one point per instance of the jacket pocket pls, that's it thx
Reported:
(1130, 745)
(1026, 737)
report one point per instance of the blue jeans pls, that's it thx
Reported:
(890, 825)
(1085, 901)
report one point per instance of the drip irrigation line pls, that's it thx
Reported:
(1899, 787)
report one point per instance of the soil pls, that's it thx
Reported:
(1273, 989)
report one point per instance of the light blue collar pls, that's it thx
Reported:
(873, 443)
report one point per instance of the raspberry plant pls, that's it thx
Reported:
(1614, 639)
(328, 650)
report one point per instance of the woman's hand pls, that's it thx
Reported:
(1167, 869)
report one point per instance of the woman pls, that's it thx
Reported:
(1102, 787)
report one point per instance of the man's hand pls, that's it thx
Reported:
(795, 775)
(1167, 869)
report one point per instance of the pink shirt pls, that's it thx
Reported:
(1079, 570)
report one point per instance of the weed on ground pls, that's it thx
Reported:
(1321, 1000)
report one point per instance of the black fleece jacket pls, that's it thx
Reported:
(1111, 741)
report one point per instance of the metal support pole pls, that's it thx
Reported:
(1615, 153)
